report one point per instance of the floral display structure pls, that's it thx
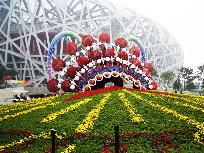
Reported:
(91, 64)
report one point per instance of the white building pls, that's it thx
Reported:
(28, 26)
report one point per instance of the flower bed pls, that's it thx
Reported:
(149, 121)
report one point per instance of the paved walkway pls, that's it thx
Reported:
(5, 103)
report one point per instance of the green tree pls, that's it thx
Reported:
(190, 86)
(4, 72)
(201, 69)
(201, 74)
(167, 77)
(187, 76)
(177, 84)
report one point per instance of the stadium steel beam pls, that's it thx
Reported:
(28, 26)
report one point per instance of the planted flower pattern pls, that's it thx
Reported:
(135, 117)
(162, 141)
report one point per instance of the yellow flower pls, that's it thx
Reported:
(87, 123)
(130, 108)
(53, 116)
(69, 149)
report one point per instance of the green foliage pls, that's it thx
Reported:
(201, 69)
(190, 86)
(167, 76)
(188, 75)
(177, 84)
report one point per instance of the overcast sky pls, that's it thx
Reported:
(184, 19)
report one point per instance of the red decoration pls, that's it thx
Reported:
(58, 64)
(148, 66)
(87, 40)
(52, 85)
(94, 55)
(136, 62)
(121, 42)
(135, 51)
(123, 55)
(82, 60)
(123, 75)
(137, 83)
(8, 77)
(99, 77)
(130, 78)
(107, 74)
(66, 86)
(104, 38)
(154, 84)
(115, 73)
(71, 72)
(143, 88)
(109, 53)
(147, 73)
(86, 88)
(92, 82)
(76, 89)
(71, 48)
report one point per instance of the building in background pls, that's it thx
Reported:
(28, 26)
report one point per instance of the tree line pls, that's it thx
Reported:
(184, 79)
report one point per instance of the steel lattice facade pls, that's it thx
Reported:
(28, 26)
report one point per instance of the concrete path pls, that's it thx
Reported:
(5, 103)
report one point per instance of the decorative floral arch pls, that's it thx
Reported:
(98, 63)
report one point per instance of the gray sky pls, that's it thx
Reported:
(184, 19)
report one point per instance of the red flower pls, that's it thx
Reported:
(166, 149)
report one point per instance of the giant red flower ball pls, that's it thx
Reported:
(104, 38)
(71, 48)
(58, 64)
(136, 62)
(71, 72)
(82, 60)
(121, 42)
(52, 85)
(123, 55)
(148, 66)
(147, 73)
(87, 40)
(66, 85)
(109, 53)
(154, 84)
(94, 55)
(135, 51)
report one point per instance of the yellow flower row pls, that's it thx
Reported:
(69, 149)
(167, 110)
(194, 100)
(18, 104)
(32, 136)
(43, 135)
(88, 122)
(131, 109)
(199, 136)
(177, 103)
(53, 116)
(28, 111)
(29, 104)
